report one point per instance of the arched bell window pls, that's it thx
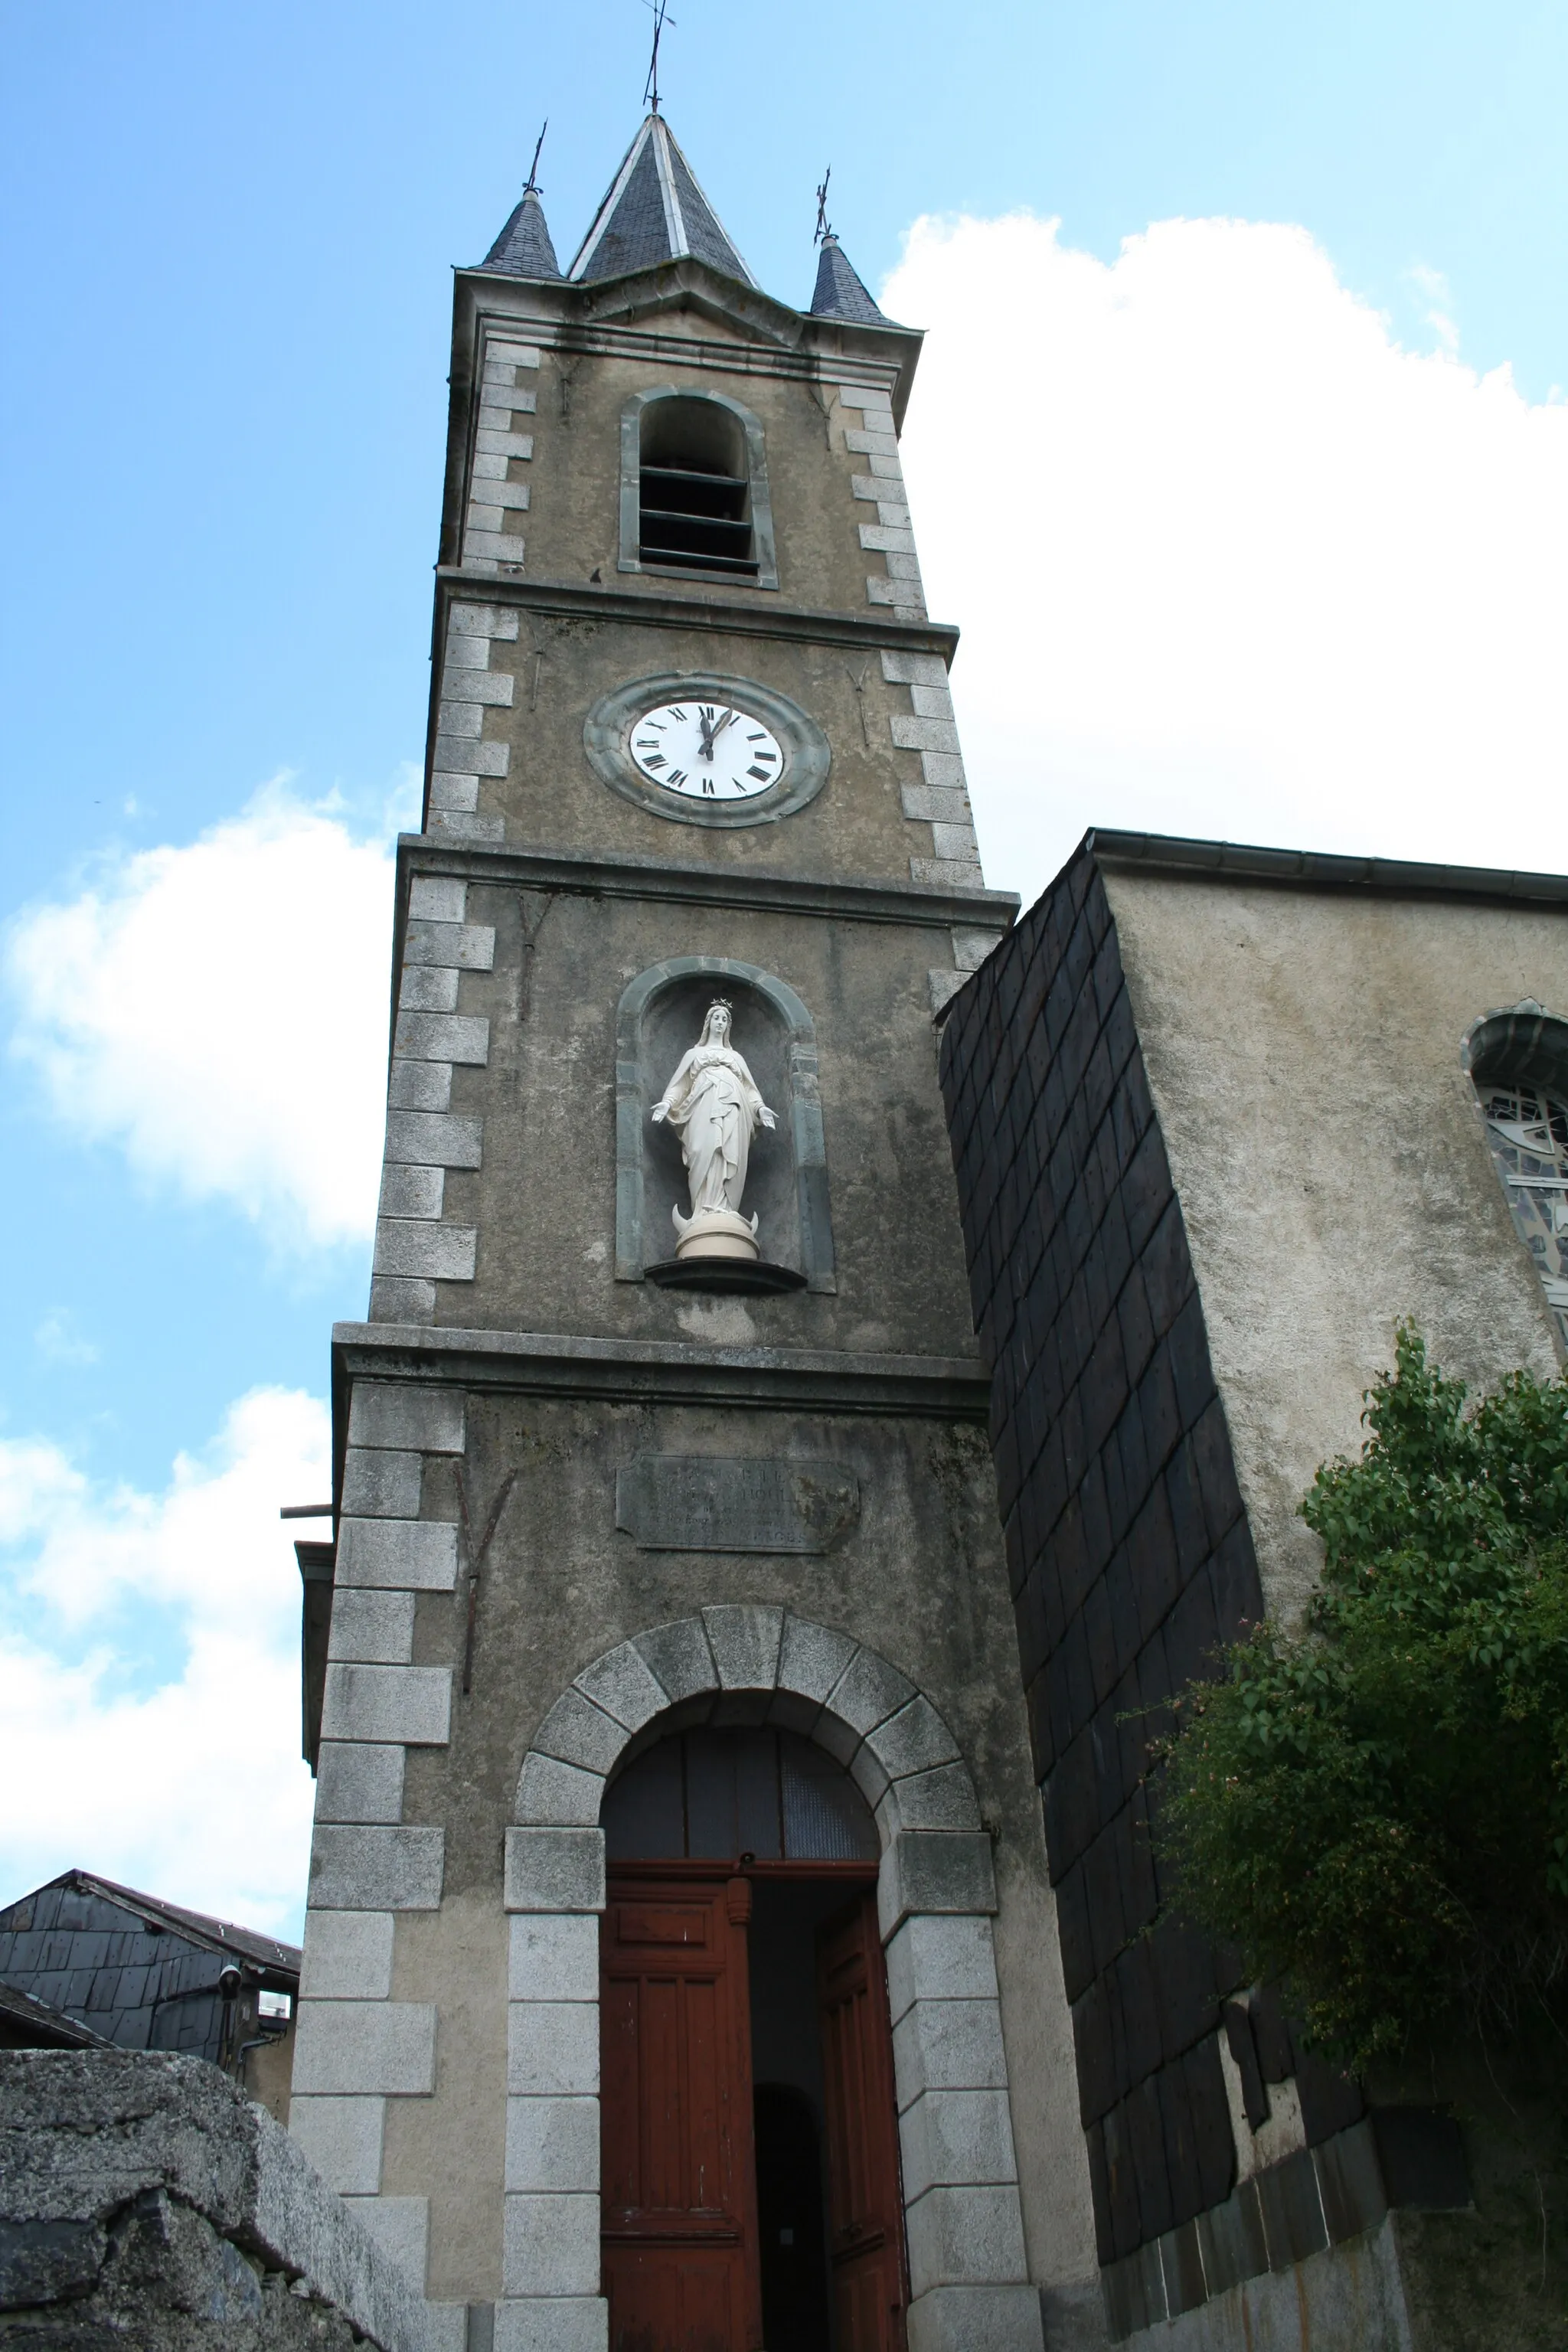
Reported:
(1518, 1062)
(694, 488)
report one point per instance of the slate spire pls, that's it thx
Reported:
(655, 212)
(839, 292)
(523, 249)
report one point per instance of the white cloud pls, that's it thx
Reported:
(219, 1011)
(58, 1341)
(186, 1780)
(1434, 289)
(1228, 561)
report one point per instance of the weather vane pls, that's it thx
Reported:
(823, 227)
(532, 179)
(650, 88)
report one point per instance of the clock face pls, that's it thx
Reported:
(698, 747)
(706, 751)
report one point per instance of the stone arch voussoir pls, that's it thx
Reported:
(740, 1662)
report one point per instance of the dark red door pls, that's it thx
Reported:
(865, 2231)
(680, 2192)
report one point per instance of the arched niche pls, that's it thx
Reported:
(660, 1014)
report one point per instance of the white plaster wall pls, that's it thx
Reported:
(1303, 1049)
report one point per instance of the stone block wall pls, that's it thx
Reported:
(146, 2202)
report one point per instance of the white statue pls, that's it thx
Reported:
(713, 1104)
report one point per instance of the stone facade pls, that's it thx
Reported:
(500, 1640)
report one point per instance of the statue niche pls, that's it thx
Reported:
(713, 1104)
(721, 1182)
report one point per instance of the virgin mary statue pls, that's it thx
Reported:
(713, 1104)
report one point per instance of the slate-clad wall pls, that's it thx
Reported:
(1128, 1554)
(143, 1989)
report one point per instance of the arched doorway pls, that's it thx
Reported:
(736, 1663)
(749, 2138)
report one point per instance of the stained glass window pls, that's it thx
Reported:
(1527, 1126)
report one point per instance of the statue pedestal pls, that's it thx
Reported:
(717, 1250)
(708, 1273)
(715, 1233)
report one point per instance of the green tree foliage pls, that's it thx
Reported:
(1374, 1808)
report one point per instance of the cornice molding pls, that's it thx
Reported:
(607, 315)
(598, 874)
(661, 609)
(779, 1380)
(1230, 861)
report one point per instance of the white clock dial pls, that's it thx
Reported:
(706, 751)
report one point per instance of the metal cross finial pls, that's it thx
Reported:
(532, 180)
(650, 88)
(824, 226)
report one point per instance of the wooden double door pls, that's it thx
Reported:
(686, 2267)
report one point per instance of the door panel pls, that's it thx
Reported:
(866, 2239)
(680, 2197)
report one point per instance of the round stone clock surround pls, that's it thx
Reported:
(608, 728)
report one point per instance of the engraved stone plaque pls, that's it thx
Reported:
(722, 1502)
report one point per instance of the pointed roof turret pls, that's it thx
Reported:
(655, 212)
(839, 292)
(523, 249)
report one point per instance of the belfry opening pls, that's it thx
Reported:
(750, 2160)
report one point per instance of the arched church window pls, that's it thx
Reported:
(713, 1796)
(1519, 1061)
(694, 490)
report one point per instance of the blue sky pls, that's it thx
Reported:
(227, 239)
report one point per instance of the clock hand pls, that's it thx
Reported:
(724, 722)
(708, 731)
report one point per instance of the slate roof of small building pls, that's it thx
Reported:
(654, 211)
(524, 247)
(28, 2023)
(138, 1973)
(840, 294)
(217, 1934)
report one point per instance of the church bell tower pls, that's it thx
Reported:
(677, 1947)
